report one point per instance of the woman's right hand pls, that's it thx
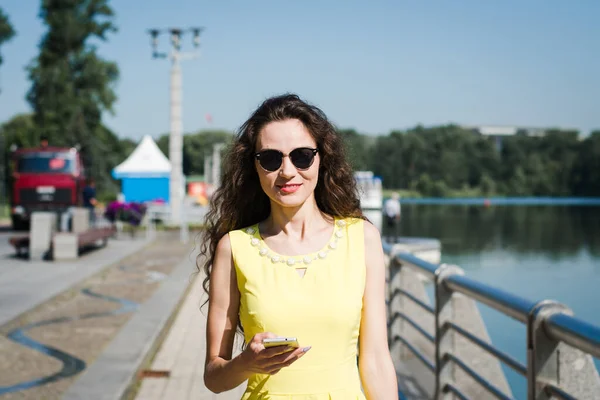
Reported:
(260, 360)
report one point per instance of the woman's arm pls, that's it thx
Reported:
(377, 371)
(221, 372)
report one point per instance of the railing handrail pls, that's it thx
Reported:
(558, 325)
(574, 332)
(501, 300)
(566, 328)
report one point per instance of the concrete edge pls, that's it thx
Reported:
(112, 375)
(415, 381)
(134, 386)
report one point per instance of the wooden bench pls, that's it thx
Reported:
(84, 239)
(91, 236)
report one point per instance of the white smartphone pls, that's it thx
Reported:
(280, 341)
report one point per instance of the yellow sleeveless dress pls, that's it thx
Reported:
(322, 309)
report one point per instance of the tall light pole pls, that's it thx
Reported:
(216, 165)
(176, 184)
(3, 191)
(207, 167)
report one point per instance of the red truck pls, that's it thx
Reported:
(44, 179)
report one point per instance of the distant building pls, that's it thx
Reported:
(498, 132)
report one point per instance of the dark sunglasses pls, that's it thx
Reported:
(271, 160)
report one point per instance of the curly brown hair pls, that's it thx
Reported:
(240, 201)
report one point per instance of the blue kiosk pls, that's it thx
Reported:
(145, 173)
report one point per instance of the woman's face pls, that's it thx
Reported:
(287, 186)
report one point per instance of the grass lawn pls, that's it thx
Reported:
(4, 214)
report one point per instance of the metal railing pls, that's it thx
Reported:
(553, 370)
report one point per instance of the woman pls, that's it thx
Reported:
(289, 253)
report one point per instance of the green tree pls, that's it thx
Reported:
(515, 150)
(439, 189)
(539, 176)
(483, 161)
(18, 131)
(424, 185)
(6, 30)
(387, 159)
(559, 150)
(110, 151)
(71, 85)
(487, 185)
(413, 160)
(358, 148)
(196, 146)
(586, 171)
(518, 184)
(442, 159)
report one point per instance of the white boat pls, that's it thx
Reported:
(369, 188)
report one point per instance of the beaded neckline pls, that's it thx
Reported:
(265, 251)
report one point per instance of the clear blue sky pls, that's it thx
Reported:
(374, 66)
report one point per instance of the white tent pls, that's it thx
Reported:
(146, 161)
(145, 174)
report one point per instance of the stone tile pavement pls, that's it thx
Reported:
(182, 353)
(26, 284)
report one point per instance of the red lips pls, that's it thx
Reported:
(289, 187)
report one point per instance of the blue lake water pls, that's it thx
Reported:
(538, 252)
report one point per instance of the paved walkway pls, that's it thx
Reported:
(26, 284)
(182, 353)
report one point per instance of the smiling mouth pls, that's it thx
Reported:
(289, 188)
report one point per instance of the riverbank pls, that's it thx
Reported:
(412, 197)
(506, 201)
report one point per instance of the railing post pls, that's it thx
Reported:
(443, 338)
(388, 297)
(462, 311)
(408, 280)
(542, 352)
(550, 361)
(394, 303)
(401, 303)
